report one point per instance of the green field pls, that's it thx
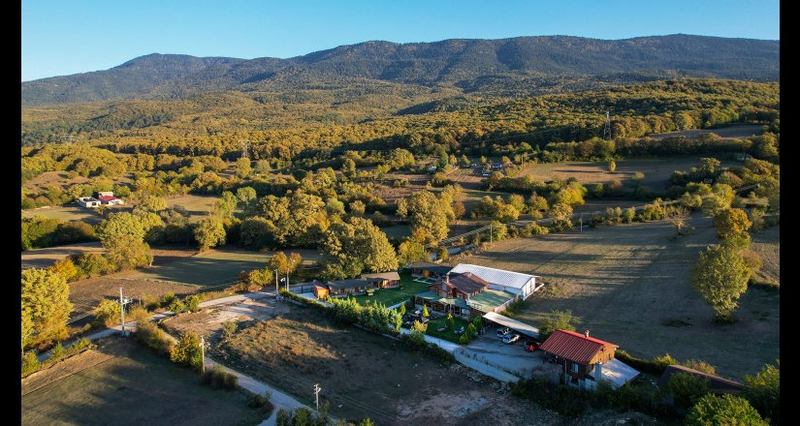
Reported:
(391, 296)
(123, 383)
(435, 324)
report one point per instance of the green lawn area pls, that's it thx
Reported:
(448, 334)
(391, 296)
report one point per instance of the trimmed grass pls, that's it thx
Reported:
(123, 383)
(391, 296)
(449, 334)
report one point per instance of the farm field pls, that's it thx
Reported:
(124, 383)
(212, 268)
(72, 213)
(625, 282)
(657, 171)
(369, 375)
(45, 257)
(196, 205)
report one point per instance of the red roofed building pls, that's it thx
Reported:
(581, 356)
(109, 199)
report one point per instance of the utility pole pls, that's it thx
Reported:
(607, 127)
(122, 302)
(203, 353)
(276, 283)
(316, 394)
(287, 280)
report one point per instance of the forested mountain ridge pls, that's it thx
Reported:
(507, 67)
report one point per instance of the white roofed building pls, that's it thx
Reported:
(499, 279)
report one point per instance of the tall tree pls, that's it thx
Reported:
(355, 246)
(427, 213)
(209, 232)
(713, 410)
(732, 225)
(45, 301)
(720, 276)
(242, 168)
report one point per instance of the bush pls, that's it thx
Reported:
(137, 313)
(187, 351)
(168, 299)
(725, 410)
(176, 306)
(192, 303)
(514, 308)
(764, 392)
(533, 229)
(153, 337)
(687, 389)
(442, 254)
(228, 329)
(57, 351)
(263, 402)
(107, 313)
(655, 367)
(29, 363)
(218, 378)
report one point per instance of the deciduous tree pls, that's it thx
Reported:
(45, 300)
(720, 276)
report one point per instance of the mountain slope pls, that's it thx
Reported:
(485, 66)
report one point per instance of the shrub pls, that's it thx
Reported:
(192, 303)
(107, 313)
(168, 299)
(176, 306)
(556, 320)
(764, 392)
(218, 378)
(263, 402)
(687, 389)
(655, 367)
(187, 351)
(228, 329)
(713, 410)
(29, 363)
(153, 337)
(533, 229)
(137, 313)
(442, 254)
(57, 351)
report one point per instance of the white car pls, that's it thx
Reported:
(510, 338)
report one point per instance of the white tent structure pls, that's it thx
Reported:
(512, 282)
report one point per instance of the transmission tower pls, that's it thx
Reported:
(245, 148)
(607, 128)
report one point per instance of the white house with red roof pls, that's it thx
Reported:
(107, 198)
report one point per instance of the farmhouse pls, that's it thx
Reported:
(466, 295)
(586, 360)
(89, 202)
(383, 279)
(512, 282)
(428, 269)
(356, 286)
(108, 198)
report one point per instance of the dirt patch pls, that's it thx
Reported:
(209, 321)
(626, 282)
(43, 258)
(767, 243)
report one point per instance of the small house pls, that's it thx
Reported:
(89, 202)
(581, 357)
(383, 279)
(321, 290)
(350, 287)
(107, 198)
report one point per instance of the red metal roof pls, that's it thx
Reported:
(574, 346)
(107, 198)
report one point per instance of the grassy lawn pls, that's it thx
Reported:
(449, 334)
(124, 383)
(627, 283)
(391, 296)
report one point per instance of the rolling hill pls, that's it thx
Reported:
(506, 67)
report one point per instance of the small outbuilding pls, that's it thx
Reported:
(582, 357)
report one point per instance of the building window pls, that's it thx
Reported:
(574, 367)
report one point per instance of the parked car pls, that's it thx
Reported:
(501, 332)
(509, 339)
(531, 346)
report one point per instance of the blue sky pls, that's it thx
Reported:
(64, 37)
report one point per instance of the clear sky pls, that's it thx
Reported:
(62, 37)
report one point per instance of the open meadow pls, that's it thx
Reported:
(124, 383)
(45, 257)
(627, 282)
